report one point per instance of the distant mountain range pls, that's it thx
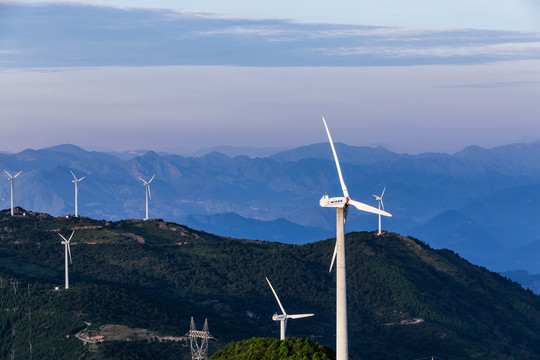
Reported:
(481, 203)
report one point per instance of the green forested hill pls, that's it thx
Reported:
(143, 280)
(274, 349)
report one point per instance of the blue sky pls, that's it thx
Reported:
(426, 77)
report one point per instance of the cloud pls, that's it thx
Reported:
(80, 35)
(503, 50)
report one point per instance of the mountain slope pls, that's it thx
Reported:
(405, 299)
(233, 225)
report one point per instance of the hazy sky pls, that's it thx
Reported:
(426, 77)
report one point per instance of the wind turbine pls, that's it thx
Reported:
(11, 178)
(148, 194)
(76, 182)
(342, 207)
(381, 204)
(67, 248)
(284, 316)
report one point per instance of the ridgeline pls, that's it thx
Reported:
(142, 281)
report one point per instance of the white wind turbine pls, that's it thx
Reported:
(67, 248)
(148, 194)
(342, 207)
(284, 316)
(76, 182)
(11, 178)
(381, 205)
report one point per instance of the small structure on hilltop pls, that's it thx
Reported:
(198, 340)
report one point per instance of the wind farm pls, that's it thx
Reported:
(222, 103)
(151, 273)
(151, 235)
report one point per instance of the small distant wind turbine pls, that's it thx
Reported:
(67, 247)
(76, 182)
(284, 316)
(381, 205)
(342, 207)
(11, 178)
(148, 194)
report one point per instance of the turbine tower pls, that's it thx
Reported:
(342, 207)
(67, 248)
(76, 182)
(11, 178)
(284, 316)
(198, 340)
(381, 204)
(148, 194)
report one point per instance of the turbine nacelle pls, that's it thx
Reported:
(336, 202)
(343, 202)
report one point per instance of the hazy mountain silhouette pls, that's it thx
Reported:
(478, 202)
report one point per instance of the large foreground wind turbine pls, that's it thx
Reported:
(342, 206)
(11, 178)
(67, 248)
(284, 316)
(381, 204)
(148, 194)
(76, 182)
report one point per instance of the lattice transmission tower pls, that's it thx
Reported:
(199, 340)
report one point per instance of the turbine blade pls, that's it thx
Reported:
(345, 213)
(142, 180)
(343, 187)
(149, 181)
(382, 204)
(383, 192)
(299, 316)
(73, 232)
(8, 174)
(333, 258)
(149, 193)
(69, 252)
(17, 174)
(363, 207)
(81, 178)
(73, 174)
(62, 236)
(279, 302)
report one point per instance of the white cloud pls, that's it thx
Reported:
(502, 50)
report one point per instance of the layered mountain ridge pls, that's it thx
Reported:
(491, 192)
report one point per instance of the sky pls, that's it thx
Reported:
(414, 77)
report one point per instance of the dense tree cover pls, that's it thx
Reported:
(274, 349)
(405, 299)
(33, 324)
